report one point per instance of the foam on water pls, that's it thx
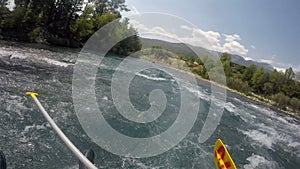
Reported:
(31, 53)
(294, 144)
(151, 78)
(33, 127)
(12, 54)
(274, 135)
(28, 130)
(230, 107)
(280, 121)
(15, 104)
(199, 93)
(266, 111)
(56, 63)
(260, 137)
(71, 167)
(136, 163)
(257, 161)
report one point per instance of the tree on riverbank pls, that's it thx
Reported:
(63, 22)
(295, 103)
(280, 87)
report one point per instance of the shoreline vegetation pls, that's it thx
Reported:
(195, 67)
(67, 23)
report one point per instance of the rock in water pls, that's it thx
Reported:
(90, 155)
(2, 160)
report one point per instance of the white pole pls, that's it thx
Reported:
(65, 139)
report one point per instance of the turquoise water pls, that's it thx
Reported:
(256, 136)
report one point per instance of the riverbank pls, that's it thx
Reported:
(181, 66)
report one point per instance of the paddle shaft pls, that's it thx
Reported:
(64, 138)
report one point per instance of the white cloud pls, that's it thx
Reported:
(137, 25)
(267, 61)
(185, 27)
(11, 5)
(284, 66)
(297, 69)
(235, 48)
(197, 37)
(231, 38)
(248, 58)
(209, 39)
(279, 69)
(280, 66)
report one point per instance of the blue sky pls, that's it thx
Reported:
(263, 30)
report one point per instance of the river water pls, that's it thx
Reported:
(256, 136)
